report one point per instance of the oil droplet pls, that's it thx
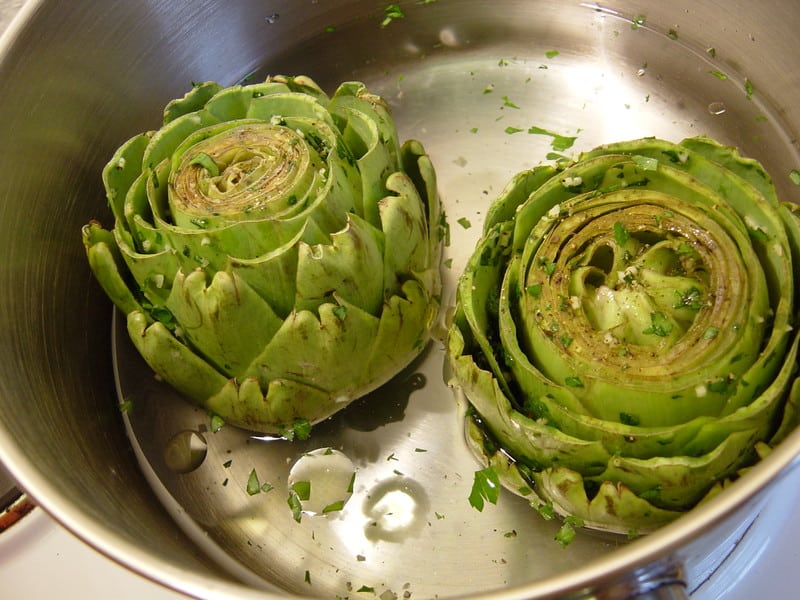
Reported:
(396, 510)
(717, 108)
(326, 477)
(185, 451)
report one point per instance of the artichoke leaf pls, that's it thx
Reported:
(679, 482)
(340, 336)
(105, 260)
(192, 101)
(351, 266)
(515, 193)
(532, 442)
(277, 106)
(172, 360)
(122, 170)
(613, 508)
(405, 228)
(164, 141)
(216, 318)
(396, 343)
(286, 401)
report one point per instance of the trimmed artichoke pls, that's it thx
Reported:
(276, 251)
(624, 331)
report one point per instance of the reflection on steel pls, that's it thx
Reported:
(15, 505)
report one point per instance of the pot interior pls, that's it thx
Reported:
(466, 79)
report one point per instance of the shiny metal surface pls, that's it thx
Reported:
(79, 78)
(7, 486)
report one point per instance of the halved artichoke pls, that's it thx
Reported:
(276, 251)
(624, 331)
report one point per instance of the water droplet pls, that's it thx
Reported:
(717, 108)
(185, 451)
(271, 19)
(326, 476)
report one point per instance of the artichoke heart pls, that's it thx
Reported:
(624, 332)
(276, 250)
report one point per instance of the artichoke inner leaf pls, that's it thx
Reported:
(261, 170)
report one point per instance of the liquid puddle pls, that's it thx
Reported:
(322, 481)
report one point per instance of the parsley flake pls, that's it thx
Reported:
(566, 534)
(621, 235)
(660, 325)
(485, 487)
(559, 143)
(392, 12)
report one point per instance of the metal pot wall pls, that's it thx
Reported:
(78, 78)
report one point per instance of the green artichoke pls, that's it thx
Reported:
(624, 331)
(276, 251)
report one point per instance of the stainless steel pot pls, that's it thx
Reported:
(78, 78)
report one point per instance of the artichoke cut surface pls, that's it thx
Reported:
(276, 250)
(625, 330)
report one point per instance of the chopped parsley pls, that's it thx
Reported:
(566, 534)
(485, 487)
(660, 325)
(300, 430)
(638, 21)
(534, 290)
(546, 511)
(334, 507)
(628, 419)
(217, 423)
(559, 143)
(295, 505)
(621, 235)
(390, 13)
(749, 89)
(254, 486)
(302, 489)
